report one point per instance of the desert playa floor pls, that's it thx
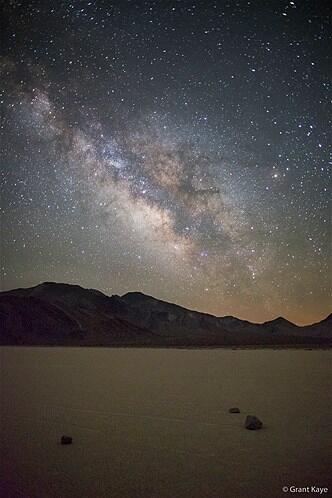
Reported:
(155, 423)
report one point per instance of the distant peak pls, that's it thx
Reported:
(133, 293)
(137, 295)
(59, 287)
(280, 320)
(55, 284)
(46, 284)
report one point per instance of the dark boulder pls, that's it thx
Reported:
(66, 440)
(253, 423)
(234, 410)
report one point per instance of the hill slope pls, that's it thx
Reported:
(62, 314)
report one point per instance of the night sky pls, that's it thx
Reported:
(171, 147)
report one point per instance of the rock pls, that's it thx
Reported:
(234, 410)
(253, 423)
(66, 440)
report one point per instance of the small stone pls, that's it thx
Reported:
(234, 410)
(66, 440)
(253, 423)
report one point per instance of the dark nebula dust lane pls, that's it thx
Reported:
(176, 148)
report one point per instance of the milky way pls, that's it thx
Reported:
(175, 148)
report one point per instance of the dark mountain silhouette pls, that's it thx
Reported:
(62, 314)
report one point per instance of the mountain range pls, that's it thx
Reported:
(69, 315)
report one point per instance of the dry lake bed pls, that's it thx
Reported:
(154, 423)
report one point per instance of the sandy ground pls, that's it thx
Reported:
(154, 423)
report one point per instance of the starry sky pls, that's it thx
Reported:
(178, 148)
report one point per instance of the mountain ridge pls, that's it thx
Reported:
(147, 296)
(61, 313)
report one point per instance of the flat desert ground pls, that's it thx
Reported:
(154, 423)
